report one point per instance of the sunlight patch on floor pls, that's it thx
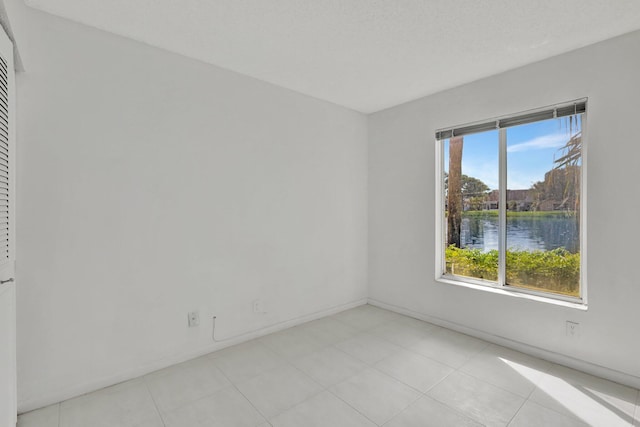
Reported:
(591, 405)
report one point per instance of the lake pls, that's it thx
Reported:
(524, 232)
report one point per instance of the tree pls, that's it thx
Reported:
(561, 186)
(559, 190)
(454, 202)
(572, 152)
(473, 187)
(474, 191)
(570, 164)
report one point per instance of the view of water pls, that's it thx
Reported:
(523, 232)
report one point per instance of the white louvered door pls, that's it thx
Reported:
(8, 396)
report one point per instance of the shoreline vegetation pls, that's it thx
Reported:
(540, 214)
(556, 271)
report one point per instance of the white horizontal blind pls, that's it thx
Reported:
(563, 110)
(5, 220)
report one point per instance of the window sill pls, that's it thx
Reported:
(577, 304)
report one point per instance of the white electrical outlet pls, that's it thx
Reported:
(258, 306)
(573, 329)
(194, 318)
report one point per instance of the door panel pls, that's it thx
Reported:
(7, 355)
(8, 395)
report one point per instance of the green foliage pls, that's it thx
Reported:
(555, 271)
(528, 214)
(559, 190)
(472, 263)
(473, 187)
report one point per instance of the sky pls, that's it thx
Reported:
(531, 150)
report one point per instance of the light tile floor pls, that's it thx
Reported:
(362, 367)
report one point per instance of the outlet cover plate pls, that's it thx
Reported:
(194, 319)
(258, 306)
(573, 329)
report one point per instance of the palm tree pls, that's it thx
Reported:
(454, 202)
(572, 152)
(570, 161)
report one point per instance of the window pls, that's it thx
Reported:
(511, 207)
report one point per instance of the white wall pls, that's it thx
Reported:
(151, 185)
(402, 194)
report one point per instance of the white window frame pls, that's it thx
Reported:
(500, 287)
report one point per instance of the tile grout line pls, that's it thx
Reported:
(572, 415)
(454, 369)
(322, 389)
(494, 385)
(396, 379)
(287, 362)
(327, 388)
(517, 412)
(212, 361)
(410, 349)
(438, 382)
(146, 386)
(242, 394)
(351, 406)
(368, 366)
(251, 403)
(535, 385)
(547, 372)
(456, 410)
(372, 367)
(636, 412)
(422, 395)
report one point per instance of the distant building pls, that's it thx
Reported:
(559, 191)
(517, 200)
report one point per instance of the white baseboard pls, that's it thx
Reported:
(75, 390)
(561, 359)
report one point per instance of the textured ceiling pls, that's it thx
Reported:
(363, 54)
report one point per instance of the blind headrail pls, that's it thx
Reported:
(556, 111)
